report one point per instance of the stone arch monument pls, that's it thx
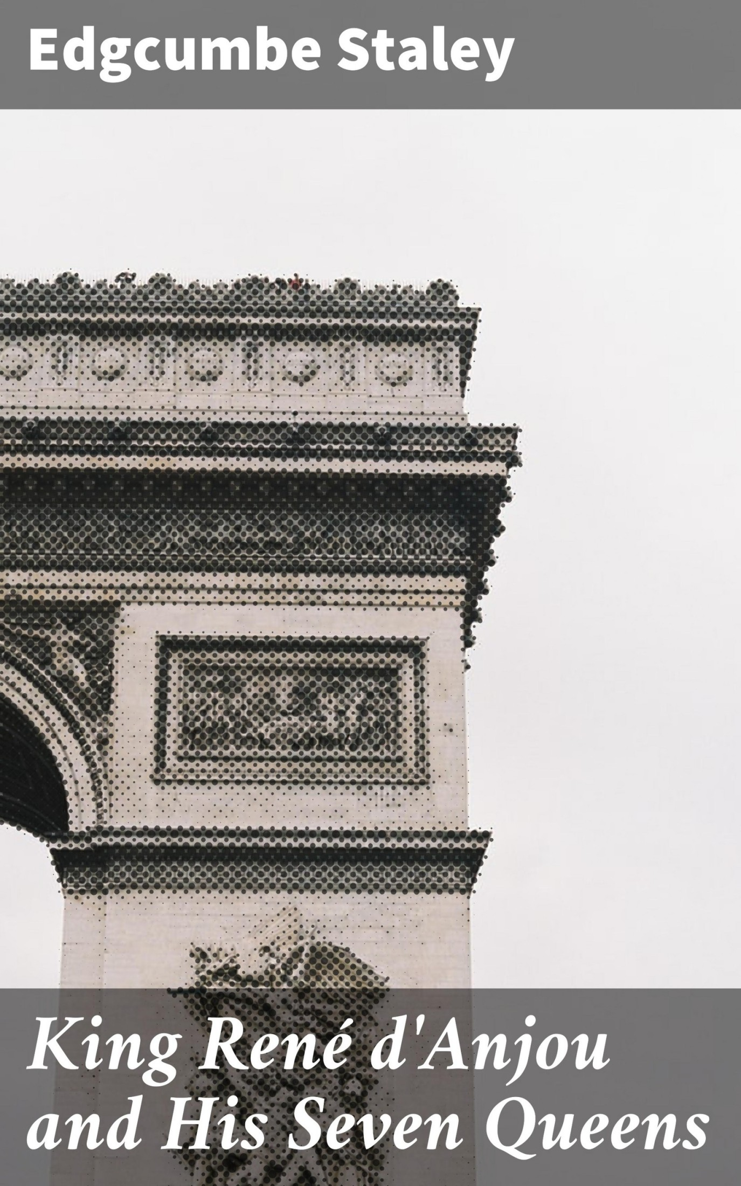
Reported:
(245, 533)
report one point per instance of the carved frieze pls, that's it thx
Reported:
(110, 338)
(219, 523)
(109, 364)
(290, 710)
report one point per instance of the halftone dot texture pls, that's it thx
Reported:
(312, 987)
(245, 534)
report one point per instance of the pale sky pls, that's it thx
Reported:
(605, 253)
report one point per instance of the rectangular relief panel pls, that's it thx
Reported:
(290, 710)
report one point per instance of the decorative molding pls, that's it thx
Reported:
(15, 362)
(285, 860)
(257, 296)
(290, 710)
(279, 839)
(108, 363)
(396, 368)
(161, 523)
(23, 437)
(111, 365)
(161, 344)
(72, 642)
(435, 524)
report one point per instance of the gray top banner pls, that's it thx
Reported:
(385, 54)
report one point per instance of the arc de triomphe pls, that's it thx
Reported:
(245, 534)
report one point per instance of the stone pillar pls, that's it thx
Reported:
(245, 535)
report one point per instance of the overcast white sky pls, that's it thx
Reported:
(604, 249)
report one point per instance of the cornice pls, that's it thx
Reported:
(252, 309)
(99, 438)
(316, 839)
(248, 297)
(245, 860)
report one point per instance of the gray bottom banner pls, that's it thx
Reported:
(369, 1088)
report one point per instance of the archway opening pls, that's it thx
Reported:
(32, 793)
(32, 797)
